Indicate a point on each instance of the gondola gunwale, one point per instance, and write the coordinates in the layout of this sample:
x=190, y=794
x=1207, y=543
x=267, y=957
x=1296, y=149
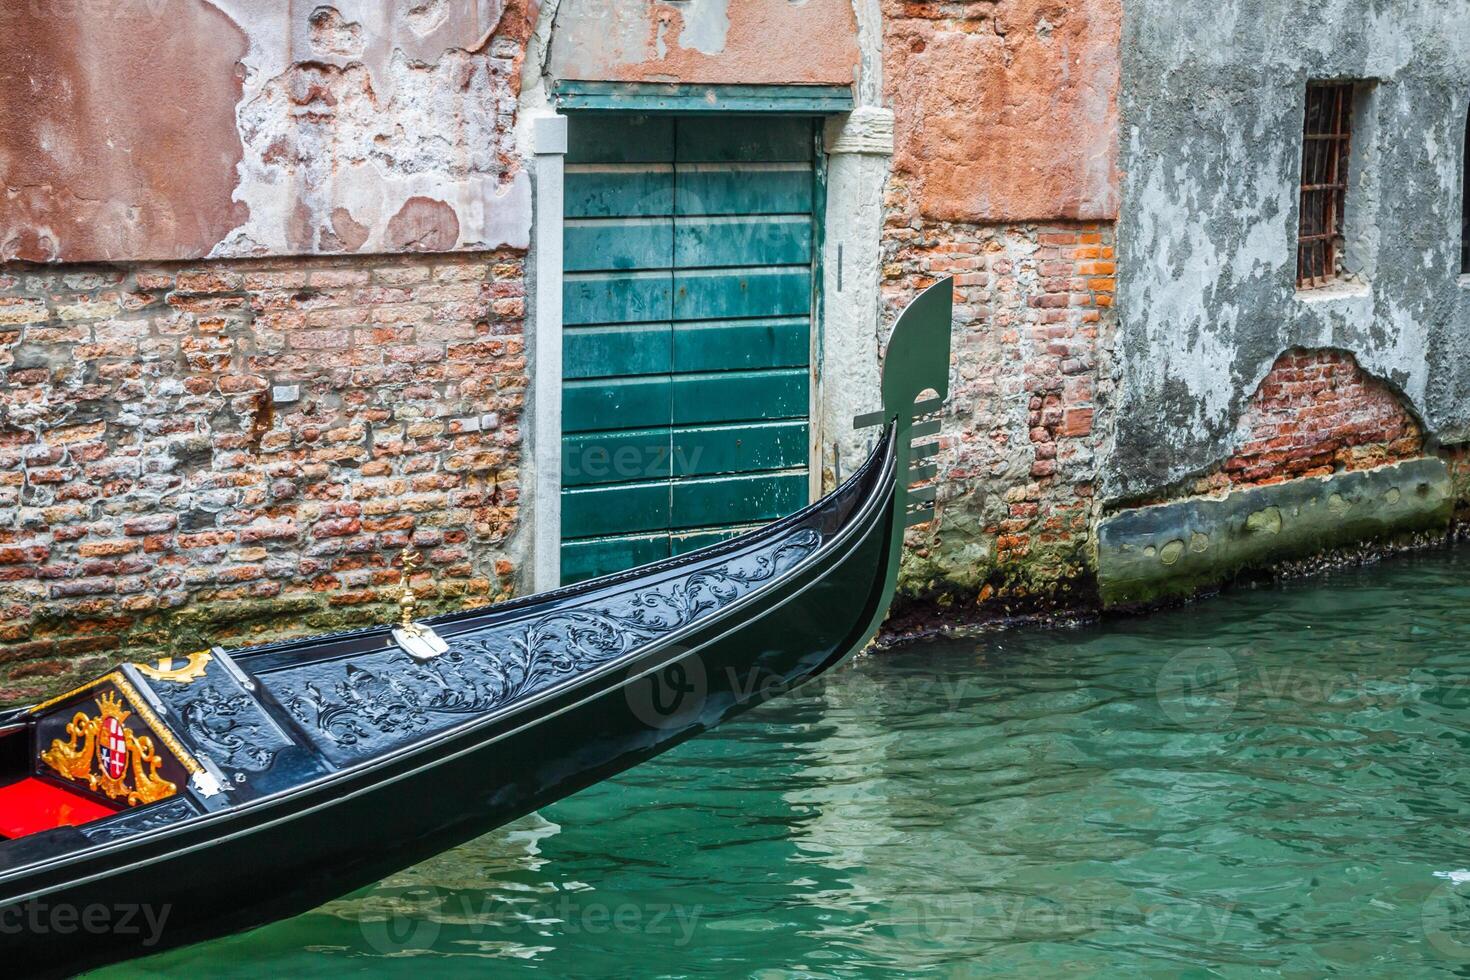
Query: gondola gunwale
x=485, y=617
x=828, y=554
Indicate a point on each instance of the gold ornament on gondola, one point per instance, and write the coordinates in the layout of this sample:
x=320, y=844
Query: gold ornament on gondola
x=416, y=639
x=193, y=668
x=406, y=599
x=103, y=752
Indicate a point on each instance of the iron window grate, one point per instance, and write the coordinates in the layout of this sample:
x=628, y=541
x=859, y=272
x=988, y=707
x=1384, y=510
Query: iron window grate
x=1326, y=147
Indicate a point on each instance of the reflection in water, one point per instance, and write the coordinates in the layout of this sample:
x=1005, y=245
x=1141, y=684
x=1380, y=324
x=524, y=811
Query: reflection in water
x=490, y=884
x=1270, y=781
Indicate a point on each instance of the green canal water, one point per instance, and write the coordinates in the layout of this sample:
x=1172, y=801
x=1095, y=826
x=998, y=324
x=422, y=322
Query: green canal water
x=1271, y=781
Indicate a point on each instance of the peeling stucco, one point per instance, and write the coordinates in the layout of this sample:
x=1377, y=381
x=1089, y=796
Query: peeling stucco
x=352, y=110
x=179, y=129
x=747, y=42
x=118, y=131
x=423, y=225
x=1212, y=107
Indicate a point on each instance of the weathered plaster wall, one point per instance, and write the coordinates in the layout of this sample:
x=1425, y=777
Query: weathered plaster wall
x=1212, y=105
x=118, y=131
x=178, y=129
x=1006, y=110
x=746, y=42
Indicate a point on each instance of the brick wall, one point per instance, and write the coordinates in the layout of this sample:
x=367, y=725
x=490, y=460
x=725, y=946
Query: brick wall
x=1033, y=320
x=1316, y=412
x=235, y=452
x=1457, y=458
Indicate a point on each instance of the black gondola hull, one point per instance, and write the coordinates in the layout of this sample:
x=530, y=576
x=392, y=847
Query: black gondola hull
x=240, y=868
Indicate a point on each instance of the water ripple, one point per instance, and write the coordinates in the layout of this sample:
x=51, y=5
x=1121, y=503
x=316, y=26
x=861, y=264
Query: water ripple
x=1269, y=781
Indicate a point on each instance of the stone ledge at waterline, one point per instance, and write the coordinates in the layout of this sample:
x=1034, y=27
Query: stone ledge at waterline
x=1176, y=549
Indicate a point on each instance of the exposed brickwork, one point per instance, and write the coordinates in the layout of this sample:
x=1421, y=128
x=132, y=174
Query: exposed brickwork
x=1316, y=412
x=153, y=491
x=1032, y=321
x=1457, y=458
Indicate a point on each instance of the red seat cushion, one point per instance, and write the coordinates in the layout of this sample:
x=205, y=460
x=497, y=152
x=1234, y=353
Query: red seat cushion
x=33, y=805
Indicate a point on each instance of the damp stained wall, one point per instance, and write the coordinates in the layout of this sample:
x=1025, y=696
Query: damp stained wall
x=1212, y=107
x=1007, y=110
x=745, y=42
x=118, y=132
x=183, y=129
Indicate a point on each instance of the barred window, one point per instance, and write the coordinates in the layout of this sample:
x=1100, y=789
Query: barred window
x=1326, y=148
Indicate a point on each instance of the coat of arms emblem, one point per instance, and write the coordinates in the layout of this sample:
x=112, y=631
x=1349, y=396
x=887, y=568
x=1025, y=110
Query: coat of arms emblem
x=112, y=749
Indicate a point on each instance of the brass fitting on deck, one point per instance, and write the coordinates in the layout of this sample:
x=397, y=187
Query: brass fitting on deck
x=417, y=640
x=412, y=561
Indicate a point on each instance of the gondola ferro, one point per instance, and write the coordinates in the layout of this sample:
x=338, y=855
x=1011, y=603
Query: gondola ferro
x=226, y=790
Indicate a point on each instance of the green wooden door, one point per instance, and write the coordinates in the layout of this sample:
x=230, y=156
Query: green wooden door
x=687, y=311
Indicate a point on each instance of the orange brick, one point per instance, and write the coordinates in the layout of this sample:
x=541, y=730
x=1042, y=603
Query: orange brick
x=368, y=423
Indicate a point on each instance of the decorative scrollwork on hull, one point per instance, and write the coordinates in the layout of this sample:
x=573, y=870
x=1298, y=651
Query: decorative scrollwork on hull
x=223, y=720
x=385, y=697
x=222, y=728
x=128, y=823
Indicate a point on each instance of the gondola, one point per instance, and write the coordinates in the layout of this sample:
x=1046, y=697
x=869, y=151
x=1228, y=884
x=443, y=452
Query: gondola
x=163, y=804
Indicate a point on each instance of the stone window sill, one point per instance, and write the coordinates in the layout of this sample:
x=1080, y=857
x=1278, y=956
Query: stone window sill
x=1334, y=291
